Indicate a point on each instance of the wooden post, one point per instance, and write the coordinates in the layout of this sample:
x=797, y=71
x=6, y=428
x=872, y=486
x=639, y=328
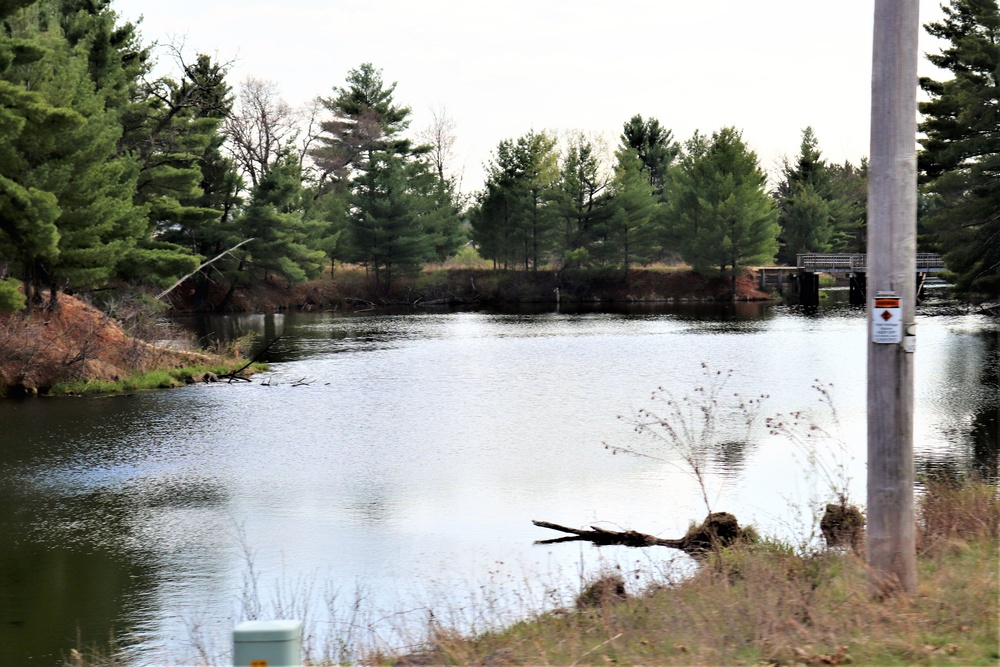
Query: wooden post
x=892, y=214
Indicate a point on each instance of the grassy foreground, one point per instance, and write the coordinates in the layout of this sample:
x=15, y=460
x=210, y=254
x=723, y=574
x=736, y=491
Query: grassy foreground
x=766, y=603
x=772, y=604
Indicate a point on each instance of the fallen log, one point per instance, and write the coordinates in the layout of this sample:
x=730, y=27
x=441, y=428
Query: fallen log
x=719, y=529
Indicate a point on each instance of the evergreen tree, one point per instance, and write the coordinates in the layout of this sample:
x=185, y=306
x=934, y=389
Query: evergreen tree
x=171, y=129
x=386, y=230
x=492, y=219
x=29, y=237
x=362, y=156
x=365, y=120
x=515, y=221
x=721, y=218
x=97, y=223
x=655, y=146
x=805, y=213
x=806, y=223
x=849, y=206
x=580, y=197
x=960, y=160
x=437, y=208
x=285, y=240
x=632, y=231
x=821, y=206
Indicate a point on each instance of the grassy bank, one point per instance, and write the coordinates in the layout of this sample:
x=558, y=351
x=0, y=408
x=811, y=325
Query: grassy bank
x=774, y=604
x=157, y=379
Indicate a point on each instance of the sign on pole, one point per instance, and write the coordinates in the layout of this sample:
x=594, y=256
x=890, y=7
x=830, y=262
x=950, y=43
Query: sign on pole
x=887, y=319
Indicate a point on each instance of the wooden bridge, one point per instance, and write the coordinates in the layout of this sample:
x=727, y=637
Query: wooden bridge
x=803, y=278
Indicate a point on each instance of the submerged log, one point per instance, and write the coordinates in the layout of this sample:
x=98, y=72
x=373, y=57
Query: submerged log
x=719, y=529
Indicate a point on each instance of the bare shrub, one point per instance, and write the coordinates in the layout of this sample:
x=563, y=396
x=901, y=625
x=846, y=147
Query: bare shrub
x=951, y=510
x=608, y=588
x=694, y=427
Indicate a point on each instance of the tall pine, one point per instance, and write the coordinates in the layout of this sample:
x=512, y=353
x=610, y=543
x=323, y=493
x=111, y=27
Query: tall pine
x=720, y=216
x=960, y=158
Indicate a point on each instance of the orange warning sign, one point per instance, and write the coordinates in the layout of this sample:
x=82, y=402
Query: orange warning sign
x=887, y=302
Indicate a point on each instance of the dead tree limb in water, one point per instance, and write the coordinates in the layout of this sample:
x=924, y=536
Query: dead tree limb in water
x=235, y=375
x=719, y=529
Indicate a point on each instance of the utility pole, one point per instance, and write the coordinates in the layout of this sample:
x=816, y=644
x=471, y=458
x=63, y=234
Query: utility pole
x=892, y=222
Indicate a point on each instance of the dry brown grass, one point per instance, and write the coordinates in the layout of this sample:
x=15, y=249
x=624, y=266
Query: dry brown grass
x=952, y=512
x=75, y=341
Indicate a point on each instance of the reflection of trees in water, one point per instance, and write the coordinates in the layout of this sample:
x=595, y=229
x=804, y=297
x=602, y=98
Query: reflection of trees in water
x=986, y=443
x=977, y=449
x=731, y=456
x=79, y=535
x=986, y=423
x=65, y=574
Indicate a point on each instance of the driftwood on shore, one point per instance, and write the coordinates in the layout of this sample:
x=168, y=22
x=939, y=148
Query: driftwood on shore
x=719, y=529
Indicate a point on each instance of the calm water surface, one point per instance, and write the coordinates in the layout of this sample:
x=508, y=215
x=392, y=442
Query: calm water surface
x=400, y=459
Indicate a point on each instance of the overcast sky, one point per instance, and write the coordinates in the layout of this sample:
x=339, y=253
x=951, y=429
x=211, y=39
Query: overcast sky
x=769, y=67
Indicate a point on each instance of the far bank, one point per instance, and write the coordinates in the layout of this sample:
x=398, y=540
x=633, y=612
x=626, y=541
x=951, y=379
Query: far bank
x=351, y=287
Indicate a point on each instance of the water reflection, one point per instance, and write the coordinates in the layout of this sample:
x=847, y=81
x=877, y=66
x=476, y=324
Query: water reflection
x=973, y=411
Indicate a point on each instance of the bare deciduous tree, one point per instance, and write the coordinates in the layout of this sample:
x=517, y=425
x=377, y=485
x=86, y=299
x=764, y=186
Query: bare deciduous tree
x=261, y=126
x=440, y=136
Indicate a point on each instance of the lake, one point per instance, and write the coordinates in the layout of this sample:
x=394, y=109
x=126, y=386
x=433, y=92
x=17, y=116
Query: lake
x=387, y=467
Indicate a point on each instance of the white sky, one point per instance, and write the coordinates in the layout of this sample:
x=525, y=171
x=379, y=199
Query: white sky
x=769, y=67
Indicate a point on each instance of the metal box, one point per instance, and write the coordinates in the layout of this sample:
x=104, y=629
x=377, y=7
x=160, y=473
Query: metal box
x=267, y=644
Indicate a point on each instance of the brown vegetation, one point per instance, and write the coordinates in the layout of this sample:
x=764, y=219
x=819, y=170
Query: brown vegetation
x=74, y=341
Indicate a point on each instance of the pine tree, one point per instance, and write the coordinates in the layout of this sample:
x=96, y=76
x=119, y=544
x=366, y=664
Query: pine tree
x=805, y=211
x=387, y=234
x=655, y=147
x=960, y=158
x=821, y=206
x=437, y=208
x=632, y=230
x=171, y=130
x=285, y=240
x=516, y=221
x=720, y=216
x=580, y=197
x=29, y=237
x=97, y=223
x=365, y=120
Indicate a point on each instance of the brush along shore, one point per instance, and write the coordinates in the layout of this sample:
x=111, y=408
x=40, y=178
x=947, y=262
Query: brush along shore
x=75, y=349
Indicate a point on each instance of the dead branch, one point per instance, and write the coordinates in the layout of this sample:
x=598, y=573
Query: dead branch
x=235, y=374
x=719, y=529
x=217, y=257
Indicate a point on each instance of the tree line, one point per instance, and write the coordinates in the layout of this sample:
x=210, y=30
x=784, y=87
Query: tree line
x=110, y=174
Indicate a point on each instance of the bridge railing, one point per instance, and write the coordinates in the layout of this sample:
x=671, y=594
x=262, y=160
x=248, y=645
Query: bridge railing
x=929, y=261
x=926, y=262
x=830, y=261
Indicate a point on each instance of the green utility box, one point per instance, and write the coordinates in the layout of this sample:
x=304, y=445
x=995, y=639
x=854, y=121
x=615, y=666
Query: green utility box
x=267, y=644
